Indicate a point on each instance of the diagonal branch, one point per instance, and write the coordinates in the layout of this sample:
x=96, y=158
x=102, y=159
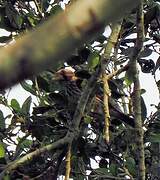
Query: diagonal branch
x=57, y=38
x=13, y=165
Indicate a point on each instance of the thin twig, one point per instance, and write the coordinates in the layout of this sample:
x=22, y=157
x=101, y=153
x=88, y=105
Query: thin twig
x=108, y=50
x=38, y=8
x=128, y=173
x=68, y=163
x=107, y=94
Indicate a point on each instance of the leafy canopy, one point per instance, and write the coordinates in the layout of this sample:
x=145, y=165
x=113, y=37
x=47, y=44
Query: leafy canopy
x=51, y=118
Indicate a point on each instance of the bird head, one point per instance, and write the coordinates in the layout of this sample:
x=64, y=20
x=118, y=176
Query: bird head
x=65, y=75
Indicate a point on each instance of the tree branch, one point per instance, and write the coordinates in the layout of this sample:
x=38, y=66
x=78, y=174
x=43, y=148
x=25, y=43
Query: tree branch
x=108, y=50
x=89, y=88
x=13, y=165
x=68, y=163
x=137, y=93
x=57, y=38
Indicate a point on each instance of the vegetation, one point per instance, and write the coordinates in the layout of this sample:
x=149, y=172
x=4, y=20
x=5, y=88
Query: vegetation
x=91, y=120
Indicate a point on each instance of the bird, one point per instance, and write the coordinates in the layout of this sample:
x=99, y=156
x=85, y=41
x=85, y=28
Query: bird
x=72, y=91
x=66, y=99
x=69, y=89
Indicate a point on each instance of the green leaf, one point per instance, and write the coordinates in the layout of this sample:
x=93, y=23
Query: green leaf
x=43, y=83
x=26, y=105
x=25, y=144
x=5, y=24
x=143, y=91
x=102, y=171
x=101, y=38
x=15, y=105
x=4, y=39
x=31, y=21
x=93, y=60
x=6, y=177
x=19, y=21
x=74, y=60
x=131, y=165
x=2, y=151
x=143, y=109
x=28, y=87
x=146, y=52
x=78, y=164
x=45, y=4
x=88, y=119
x=153, y=138
x=2, y=120
x=13, y=16
x=55, y=9
x=158, y=84
x=128, y=51
x=113, y=169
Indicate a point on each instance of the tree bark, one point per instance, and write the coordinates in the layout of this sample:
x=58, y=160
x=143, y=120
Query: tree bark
x=48, y=45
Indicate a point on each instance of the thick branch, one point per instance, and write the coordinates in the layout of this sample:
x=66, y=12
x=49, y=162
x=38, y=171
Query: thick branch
x=137, y=94
x=57, y=38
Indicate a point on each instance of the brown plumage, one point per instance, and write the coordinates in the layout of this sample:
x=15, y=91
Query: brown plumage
x=72, y=92
x=69, y=88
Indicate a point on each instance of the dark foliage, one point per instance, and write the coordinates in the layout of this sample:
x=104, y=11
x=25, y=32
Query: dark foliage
x=58, y=94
